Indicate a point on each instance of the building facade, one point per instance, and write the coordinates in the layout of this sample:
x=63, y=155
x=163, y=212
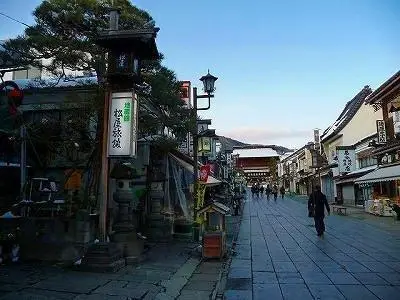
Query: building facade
x=259, y=165
x=345, y=146
x=382, y=186
x=295, y=171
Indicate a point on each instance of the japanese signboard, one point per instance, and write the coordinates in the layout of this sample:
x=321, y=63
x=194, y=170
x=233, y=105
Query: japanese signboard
x=184, y=146
x=317, y=145
x=346, y=159
x=122, y=126
x=381, y=131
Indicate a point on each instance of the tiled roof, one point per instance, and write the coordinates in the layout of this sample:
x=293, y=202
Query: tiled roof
x=390, y=83
x=347, y=114
x=253, y=153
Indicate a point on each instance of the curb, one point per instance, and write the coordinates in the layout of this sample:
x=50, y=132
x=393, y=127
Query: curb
x=218, y=292
x=171, y=288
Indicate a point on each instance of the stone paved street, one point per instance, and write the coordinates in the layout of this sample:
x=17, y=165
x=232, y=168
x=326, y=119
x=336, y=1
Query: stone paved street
x=161, y=276
x=279, y=256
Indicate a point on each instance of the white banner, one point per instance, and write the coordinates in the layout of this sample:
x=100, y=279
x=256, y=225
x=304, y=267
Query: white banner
x=122, y=125
x=184, y=146
x=346, y=160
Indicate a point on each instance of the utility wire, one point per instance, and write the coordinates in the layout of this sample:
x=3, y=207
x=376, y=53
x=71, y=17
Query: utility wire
x=11, y=18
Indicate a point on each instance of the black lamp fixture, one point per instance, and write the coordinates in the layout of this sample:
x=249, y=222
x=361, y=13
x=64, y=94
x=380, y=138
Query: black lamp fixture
x=208, y=83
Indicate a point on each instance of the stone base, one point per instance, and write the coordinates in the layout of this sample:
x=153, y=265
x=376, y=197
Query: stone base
x=128, y=242
x=103, y=258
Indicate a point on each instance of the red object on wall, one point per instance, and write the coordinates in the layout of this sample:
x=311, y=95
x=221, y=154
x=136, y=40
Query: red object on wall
x=15, y=95
x=204, y=172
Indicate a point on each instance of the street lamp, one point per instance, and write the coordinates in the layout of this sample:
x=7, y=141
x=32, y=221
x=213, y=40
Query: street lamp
x=208, y=87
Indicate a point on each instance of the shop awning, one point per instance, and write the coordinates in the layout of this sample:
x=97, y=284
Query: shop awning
x=381, y=174
x=353, y=176
x=210, y=181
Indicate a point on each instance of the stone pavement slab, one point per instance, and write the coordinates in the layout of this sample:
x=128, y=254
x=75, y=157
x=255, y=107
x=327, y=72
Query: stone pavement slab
x=39, y=294
x=278, y=254
x=33, y=281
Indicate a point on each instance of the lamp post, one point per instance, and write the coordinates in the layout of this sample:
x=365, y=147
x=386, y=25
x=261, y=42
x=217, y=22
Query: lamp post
x=209, y=88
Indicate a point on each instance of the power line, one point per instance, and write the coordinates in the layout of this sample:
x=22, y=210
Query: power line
x=11, y=18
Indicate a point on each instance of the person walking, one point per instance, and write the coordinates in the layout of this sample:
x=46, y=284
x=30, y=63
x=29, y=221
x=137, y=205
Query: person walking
x=268, y=191
x=317, y=203
x=282, y=192
x=261, y=191
x=275, y=192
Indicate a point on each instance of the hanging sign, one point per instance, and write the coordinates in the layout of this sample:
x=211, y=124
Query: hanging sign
x=204, y=172
x=346, y=159
x=381, y=131
x=396, y=122
x=184, y=146
x=122, y=125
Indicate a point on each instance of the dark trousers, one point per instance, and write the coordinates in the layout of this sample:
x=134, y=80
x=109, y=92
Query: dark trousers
x=319, y=224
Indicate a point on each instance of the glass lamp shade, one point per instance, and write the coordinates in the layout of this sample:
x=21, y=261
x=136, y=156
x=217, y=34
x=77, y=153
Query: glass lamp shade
x=204, y=144
x=208, y=83
x=122, y=62
x=136, y=66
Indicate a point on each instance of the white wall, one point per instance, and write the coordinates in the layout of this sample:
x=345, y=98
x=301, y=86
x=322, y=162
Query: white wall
x=362, y=124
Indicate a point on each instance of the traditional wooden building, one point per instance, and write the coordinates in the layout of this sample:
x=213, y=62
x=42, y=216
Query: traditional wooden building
x=344, y=148
x=258, y=164
x=384, y=183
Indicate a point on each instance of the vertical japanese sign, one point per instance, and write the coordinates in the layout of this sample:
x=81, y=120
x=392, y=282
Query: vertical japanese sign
x=346, y=159
x=122, y=126
x=184, y=146
x=317, y=145
x=381, y=131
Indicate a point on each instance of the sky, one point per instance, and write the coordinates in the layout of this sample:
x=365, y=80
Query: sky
x=283, y=67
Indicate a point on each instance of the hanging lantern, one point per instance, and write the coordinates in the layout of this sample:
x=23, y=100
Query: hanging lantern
x=204, y=144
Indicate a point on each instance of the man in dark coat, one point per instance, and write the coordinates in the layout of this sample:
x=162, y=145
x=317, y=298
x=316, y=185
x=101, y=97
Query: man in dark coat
x=316, y=204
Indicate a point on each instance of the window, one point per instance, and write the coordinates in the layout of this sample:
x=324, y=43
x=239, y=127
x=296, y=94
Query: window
x=367, y=162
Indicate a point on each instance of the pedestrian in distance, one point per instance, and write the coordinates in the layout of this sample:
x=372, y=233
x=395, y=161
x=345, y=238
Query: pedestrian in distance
x=261, y=191
x=275, y=192
x=268, y=191
x=258, y=191
x=282, y=191
x=317, y=203
x=253, y=190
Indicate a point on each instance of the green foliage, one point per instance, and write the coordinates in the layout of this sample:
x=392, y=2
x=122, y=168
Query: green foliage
x=63, y=39
x=65, y=32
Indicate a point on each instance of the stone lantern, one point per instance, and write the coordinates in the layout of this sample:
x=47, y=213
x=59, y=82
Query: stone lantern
x=124, y=230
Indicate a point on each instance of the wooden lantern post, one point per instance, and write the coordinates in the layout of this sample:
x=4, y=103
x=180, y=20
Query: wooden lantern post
x=126, y=49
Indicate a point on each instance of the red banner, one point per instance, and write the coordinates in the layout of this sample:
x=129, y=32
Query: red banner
x=204, y=172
